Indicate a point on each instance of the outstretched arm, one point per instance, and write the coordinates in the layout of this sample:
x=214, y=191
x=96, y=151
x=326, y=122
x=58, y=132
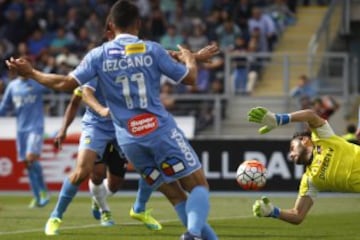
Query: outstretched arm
x=69, y=117
x=89, y=98
x=271, y=120
x=264, y=208
x=54, y=81
x=297, y=214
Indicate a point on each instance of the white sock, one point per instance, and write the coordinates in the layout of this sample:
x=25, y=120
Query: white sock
x=108, y=191
x=99, y=194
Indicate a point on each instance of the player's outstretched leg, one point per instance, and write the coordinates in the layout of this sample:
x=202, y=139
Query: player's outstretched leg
x=34, y=186
x=207, y=232
x=138, y=211
x=100, y=207
x=44, y=196
x=67, y=193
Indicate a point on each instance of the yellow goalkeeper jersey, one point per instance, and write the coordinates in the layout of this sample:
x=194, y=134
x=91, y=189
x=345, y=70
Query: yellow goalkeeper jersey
x=335, y=165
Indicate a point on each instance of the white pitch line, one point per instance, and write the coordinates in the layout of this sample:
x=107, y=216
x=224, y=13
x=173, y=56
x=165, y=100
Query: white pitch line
x=98, y=225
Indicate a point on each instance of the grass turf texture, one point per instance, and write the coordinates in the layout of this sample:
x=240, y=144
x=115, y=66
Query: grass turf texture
x=332, y=217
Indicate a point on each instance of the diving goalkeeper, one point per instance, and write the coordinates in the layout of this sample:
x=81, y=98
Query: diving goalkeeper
x=332, y=163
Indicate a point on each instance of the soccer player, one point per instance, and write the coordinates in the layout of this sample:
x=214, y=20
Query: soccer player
x=25, y=97
x=129, y=72
x=332, y=163
x=98, y=136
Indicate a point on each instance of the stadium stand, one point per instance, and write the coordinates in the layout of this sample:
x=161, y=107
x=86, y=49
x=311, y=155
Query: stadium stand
x=56, y=34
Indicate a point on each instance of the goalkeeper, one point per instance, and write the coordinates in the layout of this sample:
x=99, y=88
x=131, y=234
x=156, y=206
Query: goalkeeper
x=332, y=163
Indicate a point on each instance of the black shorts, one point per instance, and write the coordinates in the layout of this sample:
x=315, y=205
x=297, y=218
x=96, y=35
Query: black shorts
x=116, y=163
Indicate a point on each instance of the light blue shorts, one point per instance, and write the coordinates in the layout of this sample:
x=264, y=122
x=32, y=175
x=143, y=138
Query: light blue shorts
x=29, y=142
x=164, y=158
x=95, y=139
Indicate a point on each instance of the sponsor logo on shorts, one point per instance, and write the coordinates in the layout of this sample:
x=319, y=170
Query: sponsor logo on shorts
x=184, y=147
x=142, y=124
x=87, y=140
x=172, y=167
x=150, y=175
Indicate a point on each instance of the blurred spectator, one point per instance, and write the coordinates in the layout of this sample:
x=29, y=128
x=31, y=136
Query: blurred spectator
x=325, y=106
x=94, y=27
x=60, y=42
x=10, y=30
x=227, y=33
x=266, y=27
x=197, y=39
x=171, y=39
x=37, y=42
x=281, y=15
x=240, y=72
x=182, y=22
x=157, y=24
x=144, y=8
x=304, y=92
x=212, y=22
x=242, y=12
x=51, y=23
x=254, y=65
x=30, y=22
x=168, y=8
x=350, y=134
x=82, y=42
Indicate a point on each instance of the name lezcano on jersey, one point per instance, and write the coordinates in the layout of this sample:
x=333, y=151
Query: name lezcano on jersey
x=110, y=65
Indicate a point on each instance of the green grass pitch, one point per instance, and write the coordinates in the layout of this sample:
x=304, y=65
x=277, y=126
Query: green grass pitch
x=332, y=217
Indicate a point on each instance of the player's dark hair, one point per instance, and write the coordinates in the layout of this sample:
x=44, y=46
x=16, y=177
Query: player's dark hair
x=300, y=135
x=124, y=14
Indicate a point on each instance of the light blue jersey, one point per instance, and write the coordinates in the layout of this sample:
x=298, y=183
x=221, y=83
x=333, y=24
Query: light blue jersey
x=97, y=131
x=129, y=71
x=92, y=117
x=25, y=97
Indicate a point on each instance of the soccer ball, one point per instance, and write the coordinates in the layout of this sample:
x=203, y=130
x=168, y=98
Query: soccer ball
x=251, y=175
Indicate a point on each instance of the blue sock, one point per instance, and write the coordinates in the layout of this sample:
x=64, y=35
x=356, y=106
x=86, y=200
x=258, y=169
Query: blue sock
x=67, y=193
x=180, y=210
x=142, y=197
x=39, y=176
x=33, y=182
x=197, y=210
x=206, y=233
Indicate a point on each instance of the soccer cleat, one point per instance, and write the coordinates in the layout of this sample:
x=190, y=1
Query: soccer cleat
x=95, y=209
x=106, y=219
x=189, y=236
x=145, y=217
x=33, y=203
x=52, y=226
x=44, y=199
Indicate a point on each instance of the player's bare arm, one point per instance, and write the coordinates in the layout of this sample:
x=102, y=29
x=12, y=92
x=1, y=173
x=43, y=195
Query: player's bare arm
x=297, y=214
x=54, y=81
x=203, y=55
x=90, y=100
x=308, y=116
x=70, y=114
x=271, y=120
x=188, y=58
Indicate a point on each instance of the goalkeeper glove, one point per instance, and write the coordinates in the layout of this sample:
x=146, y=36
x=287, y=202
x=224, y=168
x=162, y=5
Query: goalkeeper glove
x=269, y=119
x=264, y=208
